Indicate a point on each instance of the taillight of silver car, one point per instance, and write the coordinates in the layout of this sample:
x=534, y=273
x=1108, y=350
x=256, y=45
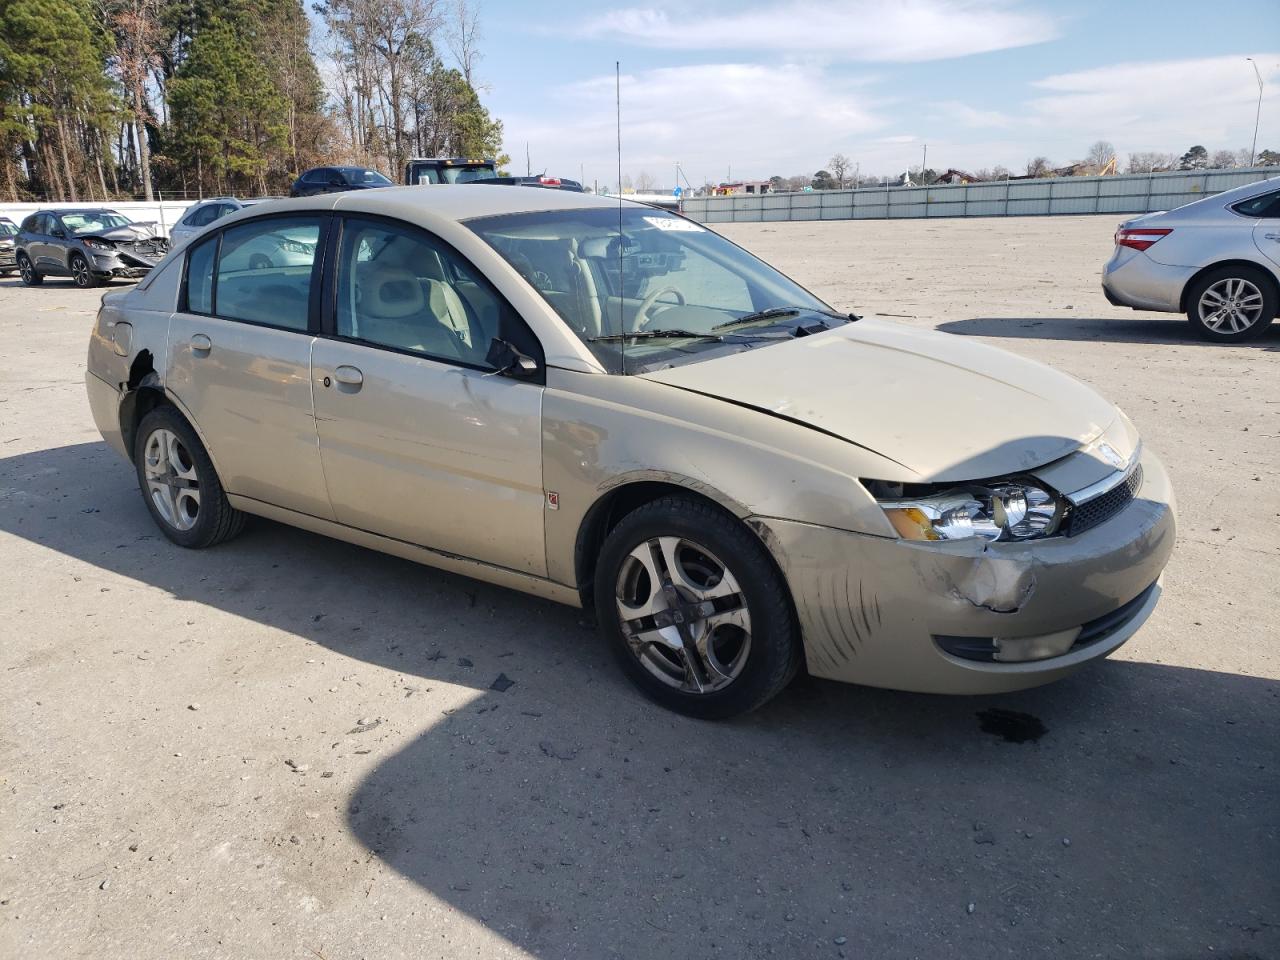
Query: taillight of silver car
x=1139, y=237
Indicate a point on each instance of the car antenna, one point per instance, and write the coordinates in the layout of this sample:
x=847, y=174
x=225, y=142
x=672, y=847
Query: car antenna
x=622, y=287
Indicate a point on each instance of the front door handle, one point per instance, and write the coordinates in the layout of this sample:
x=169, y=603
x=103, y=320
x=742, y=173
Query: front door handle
x=348, y=376
x=1272, y=236
x=201, y=344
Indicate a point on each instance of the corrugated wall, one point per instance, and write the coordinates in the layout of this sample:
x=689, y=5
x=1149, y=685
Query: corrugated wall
x=1131, y=193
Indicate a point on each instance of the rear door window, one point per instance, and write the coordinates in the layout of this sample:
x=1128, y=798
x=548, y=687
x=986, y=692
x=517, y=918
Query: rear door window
x=264, y=271
x=199, y=283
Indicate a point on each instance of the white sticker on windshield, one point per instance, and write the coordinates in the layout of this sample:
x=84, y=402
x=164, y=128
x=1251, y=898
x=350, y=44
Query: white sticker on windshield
x=674, y=224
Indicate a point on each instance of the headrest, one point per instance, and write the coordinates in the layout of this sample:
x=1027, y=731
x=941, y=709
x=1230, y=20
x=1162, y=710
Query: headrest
x=391, y=293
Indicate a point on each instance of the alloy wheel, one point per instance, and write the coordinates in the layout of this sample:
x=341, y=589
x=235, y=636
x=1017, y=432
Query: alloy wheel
x=26, y=270
x=80, y=269
x=683, y=614
x=172, y=481
x=1231, y=305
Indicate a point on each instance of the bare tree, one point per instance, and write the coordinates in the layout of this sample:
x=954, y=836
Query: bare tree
x=463, y=37
x=1100, y=155
x=139, y=35
x=645, y=183
x=1223, y=159
x=1150, y=161
x=1038, y=167
x=382, y=44
x=839, y=165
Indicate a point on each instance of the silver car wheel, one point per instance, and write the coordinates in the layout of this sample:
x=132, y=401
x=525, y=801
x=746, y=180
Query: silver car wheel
x=683, y=614
x=80, y=267
x=1232, y=305
x=172, y=481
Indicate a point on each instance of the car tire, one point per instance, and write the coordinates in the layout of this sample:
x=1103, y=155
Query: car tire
x=81, y=272
x=179, y=484
x=260, y=261
x=27, y=270
x=743, y=659
x=1248, y=299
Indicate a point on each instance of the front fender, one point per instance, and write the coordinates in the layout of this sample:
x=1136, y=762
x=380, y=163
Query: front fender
x=601, y=432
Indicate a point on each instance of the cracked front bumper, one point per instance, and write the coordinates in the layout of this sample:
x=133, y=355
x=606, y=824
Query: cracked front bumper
x=873, y=610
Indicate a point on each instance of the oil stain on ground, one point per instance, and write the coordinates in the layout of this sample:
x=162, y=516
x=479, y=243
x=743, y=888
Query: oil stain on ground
x=1011, y=726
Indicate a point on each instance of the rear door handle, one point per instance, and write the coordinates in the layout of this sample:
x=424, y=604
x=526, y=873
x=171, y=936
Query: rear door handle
x=348, y=376
x=200, y=343
x=1272, y=236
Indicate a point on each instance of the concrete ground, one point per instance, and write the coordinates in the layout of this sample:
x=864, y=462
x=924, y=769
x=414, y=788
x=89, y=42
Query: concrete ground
x=289, y=747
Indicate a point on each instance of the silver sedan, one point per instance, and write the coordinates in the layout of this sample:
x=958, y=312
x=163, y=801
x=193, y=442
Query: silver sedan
x=1216, y=260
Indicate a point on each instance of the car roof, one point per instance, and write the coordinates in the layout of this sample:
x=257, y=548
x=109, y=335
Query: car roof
x=467, y=201
x=63, y=211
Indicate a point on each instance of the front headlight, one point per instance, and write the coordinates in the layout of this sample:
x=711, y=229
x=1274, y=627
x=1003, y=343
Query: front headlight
x=93, y=243
x=1008, y=510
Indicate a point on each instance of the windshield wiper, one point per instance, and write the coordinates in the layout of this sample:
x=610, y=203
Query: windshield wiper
x=655, y=335
x=777, y=313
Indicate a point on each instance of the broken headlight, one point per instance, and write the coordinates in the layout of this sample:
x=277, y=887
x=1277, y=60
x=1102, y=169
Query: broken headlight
x=1006, y=510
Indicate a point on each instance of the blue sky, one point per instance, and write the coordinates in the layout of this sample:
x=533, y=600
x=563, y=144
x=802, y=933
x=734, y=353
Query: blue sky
x=778, y=87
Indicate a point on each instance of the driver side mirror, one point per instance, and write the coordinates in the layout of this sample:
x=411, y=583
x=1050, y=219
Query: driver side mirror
x=507, y=360
x=59, y=233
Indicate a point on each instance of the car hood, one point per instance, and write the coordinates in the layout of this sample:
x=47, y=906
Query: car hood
x=128, y=233
x=945, y=407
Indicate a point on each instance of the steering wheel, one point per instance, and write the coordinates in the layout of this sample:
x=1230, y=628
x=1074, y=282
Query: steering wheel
x=642, y=313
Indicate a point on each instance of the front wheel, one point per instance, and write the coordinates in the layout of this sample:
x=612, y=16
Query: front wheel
x=1231, y=304
x=81, y=272
x=179, y=484
x=695, y=610
x=27, y=270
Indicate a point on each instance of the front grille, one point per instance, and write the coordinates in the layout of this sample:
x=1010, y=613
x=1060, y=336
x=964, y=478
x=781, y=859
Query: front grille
x=153, y=249
x=1100, y=509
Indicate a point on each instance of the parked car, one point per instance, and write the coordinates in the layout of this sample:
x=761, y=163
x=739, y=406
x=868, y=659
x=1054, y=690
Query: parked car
x=642, y=418
x=336, y=180
x=8, y=250
x=425, y=171
x=91, y=245
x=1217, y=260
x=200, y=215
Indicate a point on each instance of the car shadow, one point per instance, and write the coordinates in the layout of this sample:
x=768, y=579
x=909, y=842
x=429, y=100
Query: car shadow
x=1127, y=810
x=1152, y=329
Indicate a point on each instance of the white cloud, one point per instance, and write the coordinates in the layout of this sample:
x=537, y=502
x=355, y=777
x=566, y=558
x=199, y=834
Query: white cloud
x=761, y=119
x=866, y=30
x=1159, y=105
x=966, y=115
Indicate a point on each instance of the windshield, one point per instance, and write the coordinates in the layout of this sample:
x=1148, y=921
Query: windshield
x=80, y=224
x=8, y=229
x=436, y=172
x=667, y=274
x=371, y=177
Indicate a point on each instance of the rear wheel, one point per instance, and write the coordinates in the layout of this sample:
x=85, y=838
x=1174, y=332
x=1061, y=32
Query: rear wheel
x=1231, y=304
x=179, y=484
x=695, y=610
x=260, y=261
x=27, y=270
x=81, y=272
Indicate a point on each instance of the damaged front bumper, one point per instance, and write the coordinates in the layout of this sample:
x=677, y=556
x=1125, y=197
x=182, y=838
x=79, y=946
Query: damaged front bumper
x=124, y=263
x=974, y=617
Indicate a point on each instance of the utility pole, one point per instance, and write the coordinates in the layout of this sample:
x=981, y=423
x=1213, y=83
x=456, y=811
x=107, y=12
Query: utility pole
x=528, y=167
x=1253, y=151
x=924, y=163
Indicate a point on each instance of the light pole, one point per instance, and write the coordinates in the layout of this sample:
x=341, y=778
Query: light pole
x=924, y=162
x=1253, y=151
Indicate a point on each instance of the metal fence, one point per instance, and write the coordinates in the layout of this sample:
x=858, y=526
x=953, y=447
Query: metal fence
x=1131, y=193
